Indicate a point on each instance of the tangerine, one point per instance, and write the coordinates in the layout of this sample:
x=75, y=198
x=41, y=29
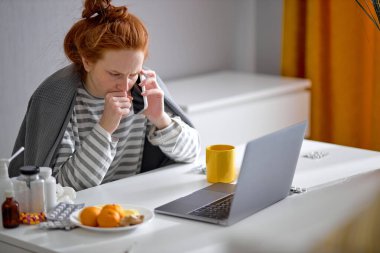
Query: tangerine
x=108, y=218
x=116, y=208
x=88, y=216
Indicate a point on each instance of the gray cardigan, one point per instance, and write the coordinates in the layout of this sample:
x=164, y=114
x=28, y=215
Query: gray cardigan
x=48, y=113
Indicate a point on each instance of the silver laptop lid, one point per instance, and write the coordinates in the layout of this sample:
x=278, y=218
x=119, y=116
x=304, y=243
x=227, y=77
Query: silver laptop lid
x=269, y=166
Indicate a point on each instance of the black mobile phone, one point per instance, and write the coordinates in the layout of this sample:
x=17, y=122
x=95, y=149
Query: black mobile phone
x=139, y=103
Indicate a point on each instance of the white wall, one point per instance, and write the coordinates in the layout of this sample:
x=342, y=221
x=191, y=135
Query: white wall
x=188, y=37
x=191, y=37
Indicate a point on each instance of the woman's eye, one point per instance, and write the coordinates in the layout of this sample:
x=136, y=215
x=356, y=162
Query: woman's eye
x=114, y=74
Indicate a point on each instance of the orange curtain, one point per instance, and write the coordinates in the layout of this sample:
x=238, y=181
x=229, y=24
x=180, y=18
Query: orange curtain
x=335, y=45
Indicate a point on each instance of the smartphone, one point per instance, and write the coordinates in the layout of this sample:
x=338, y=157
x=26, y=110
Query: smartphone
x=139, y=102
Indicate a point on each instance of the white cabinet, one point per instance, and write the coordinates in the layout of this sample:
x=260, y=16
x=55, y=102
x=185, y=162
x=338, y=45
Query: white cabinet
x=231, y=107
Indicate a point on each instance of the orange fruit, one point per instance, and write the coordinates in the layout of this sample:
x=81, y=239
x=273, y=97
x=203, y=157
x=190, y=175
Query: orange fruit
x=116, y=208
x=108, y=218
x=88, y=216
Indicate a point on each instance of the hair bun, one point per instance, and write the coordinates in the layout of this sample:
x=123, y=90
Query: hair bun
x=103, y=10
x=92, y=7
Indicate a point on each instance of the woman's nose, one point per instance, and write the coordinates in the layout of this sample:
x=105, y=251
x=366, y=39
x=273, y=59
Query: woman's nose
x=124, y=85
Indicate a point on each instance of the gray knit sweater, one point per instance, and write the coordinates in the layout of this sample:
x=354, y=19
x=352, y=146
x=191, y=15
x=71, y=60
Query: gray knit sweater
x=49, y=111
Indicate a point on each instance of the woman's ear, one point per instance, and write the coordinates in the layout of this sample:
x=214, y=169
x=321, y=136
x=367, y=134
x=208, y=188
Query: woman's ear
x=87, y=64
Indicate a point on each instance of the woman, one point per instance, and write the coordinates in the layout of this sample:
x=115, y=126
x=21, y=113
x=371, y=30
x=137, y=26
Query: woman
x=81, y=122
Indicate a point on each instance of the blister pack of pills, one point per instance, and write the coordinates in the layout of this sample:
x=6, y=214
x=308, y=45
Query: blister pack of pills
x=62, y=224
x=59, y=217
x=63, y=211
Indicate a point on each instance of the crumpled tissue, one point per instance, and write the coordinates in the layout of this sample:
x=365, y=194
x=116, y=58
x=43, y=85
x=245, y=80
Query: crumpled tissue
x=65, y=194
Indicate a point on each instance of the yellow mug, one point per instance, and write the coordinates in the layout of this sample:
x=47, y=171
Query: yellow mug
x=220, y=163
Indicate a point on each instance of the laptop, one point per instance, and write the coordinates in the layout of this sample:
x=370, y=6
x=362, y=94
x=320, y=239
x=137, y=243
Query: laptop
x=265, y=177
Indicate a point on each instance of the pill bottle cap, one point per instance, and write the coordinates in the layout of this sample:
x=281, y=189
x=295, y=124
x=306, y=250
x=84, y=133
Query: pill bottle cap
x=45, y=172
x=9, y=194
x=29, y=170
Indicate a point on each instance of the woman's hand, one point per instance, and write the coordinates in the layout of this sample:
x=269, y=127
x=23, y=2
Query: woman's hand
x=116, y=105
x=155, y=111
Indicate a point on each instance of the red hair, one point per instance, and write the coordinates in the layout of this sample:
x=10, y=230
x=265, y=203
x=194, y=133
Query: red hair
x=103, y=27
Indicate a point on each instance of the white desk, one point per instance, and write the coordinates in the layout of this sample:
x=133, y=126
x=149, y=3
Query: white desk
x=292, y=225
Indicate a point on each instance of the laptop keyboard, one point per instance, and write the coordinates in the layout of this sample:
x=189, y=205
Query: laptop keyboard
x=216, y=210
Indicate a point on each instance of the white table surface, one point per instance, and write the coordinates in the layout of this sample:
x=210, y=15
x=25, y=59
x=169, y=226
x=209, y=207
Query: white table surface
x=294, y=224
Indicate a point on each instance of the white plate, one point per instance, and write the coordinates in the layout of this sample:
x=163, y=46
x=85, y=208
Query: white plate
x=148, y=216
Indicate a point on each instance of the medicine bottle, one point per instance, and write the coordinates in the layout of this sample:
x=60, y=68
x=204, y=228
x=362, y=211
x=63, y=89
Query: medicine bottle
x=5, y=182
x=10, y=211
x=29, y=190
x=50, y=188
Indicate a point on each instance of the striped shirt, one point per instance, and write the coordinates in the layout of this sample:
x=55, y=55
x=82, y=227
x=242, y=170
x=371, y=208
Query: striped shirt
x=88, y=155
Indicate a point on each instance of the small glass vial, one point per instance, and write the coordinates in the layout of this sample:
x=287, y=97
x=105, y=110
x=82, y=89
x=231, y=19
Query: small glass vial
x=10, y=211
